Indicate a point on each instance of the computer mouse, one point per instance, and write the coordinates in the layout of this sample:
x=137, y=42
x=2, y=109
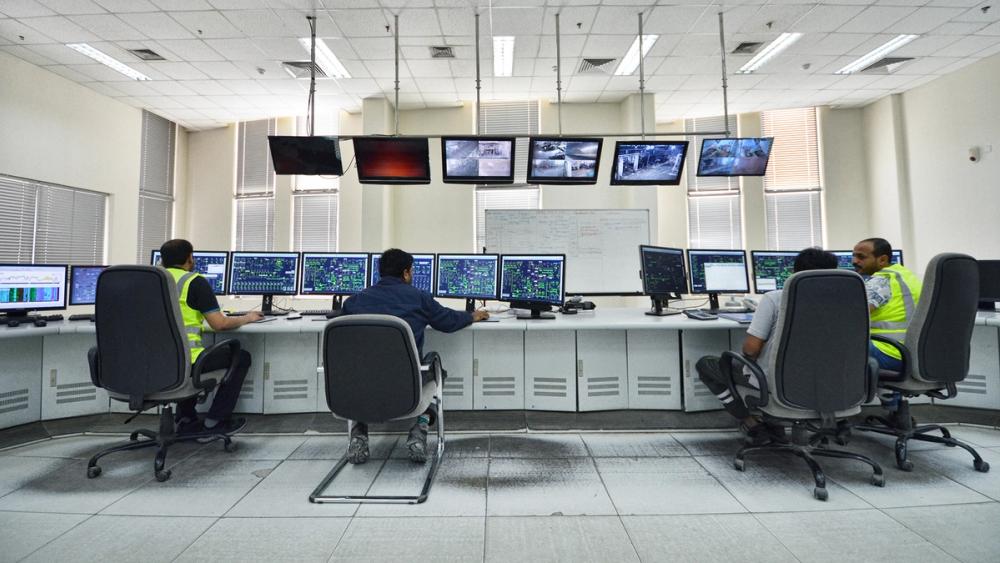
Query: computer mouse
x=41, y=322
x=13, y=324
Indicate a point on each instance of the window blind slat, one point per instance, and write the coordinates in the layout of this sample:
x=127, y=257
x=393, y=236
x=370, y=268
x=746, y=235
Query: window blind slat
x=17, y=220
x=255, y=224
x=155, y=225
x=315, y=222
x=157, y=166
x=254, y=170
x=792, y=187
x=527, y=197
x=794, y=220
x=714, y=213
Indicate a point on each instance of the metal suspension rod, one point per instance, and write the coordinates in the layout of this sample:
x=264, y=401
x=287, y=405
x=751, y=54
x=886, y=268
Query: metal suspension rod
x=479, y=125
x=558, y=76
x=395, y=105
x=725, y=84
x=312, y=75
x=642, y=84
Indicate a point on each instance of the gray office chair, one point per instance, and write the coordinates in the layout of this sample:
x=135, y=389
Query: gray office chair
x=818, y=371
x=373, y=374
x=142, y=357
x=935, y=353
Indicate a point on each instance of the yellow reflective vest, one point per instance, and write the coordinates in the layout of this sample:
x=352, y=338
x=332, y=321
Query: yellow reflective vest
x=892, y=319
x=193, y=318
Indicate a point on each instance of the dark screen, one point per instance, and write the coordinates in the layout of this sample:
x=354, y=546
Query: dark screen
x=989, y=280
x=662, y=270
x=391, y=160
x=306, y=155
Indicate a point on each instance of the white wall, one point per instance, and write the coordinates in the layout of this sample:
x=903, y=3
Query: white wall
x=883, y=155
x=843, y=176
x=211, y=176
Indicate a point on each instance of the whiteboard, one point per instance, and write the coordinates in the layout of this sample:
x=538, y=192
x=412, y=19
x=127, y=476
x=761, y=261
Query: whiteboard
x=601, y=245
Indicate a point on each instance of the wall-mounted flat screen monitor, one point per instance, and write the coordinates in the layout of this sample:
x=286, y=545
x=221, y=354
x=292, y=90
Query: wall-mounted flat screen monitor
x=306, y=155
x=643, y=163
x=735, y=157
x=561, y=160
x=423, y=271
x=83, y=284
x=478, y=160
x=718, y=271
x=771, y=268
x=263, y=273
x=340, y=273
x=32, y=287
x=467, y=276
x=212, y=265
x=392, y=160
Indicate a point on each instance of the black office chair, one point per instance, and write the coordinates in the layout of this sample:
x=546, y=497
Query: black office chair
x=373, y=374
x=142, y=357
x=818, y=372
x=935, y=353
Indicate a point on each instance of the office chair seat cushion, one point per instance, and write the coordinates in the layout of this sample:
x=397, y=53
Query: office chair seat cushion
x=426, y=397
x=890, y=375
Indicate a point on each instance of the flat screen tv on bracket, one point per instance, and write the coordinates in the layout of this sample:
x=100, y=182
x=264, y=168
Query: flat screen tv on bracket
x=392, y=160
x=648, y=163
x=563, y=160
x=735, y=156
x=477, y=160
x=308, y=156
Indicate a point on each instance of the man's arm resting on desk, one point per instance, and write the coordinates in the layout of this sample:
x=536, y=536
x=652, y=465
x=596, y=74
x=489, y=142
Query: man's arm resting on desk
x=222, y=323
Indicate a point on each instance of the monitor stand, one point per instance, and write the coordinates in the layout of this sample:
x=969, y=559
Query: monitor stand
x=470, y=305
x=267, y=305
x=338, y=301
x=714, y=308
x=536, y=311
x=660, y=307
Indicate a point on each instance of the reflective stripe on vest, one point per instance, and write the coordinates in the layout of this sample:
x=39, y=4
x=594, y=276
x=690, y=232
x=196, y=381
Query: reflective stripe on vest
x=892, y=319
x=193, y=318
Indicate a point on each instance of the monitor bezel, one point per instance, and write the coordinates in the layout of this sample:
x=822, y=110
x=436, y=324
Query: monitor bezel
x=500, y=296
x=232, y=264
x=753, y=266
x=371, y=267
x=492, y=180
x=437, y=276
x=302, y=268
x=391, y=180
x=65, y=300
x=614, y=164
x=228, y=253
x=851, y=254
x=70, y=286
x=701, y=152
x=746, y=271
x=549, y=180
x=337, y=153
x=642, y=269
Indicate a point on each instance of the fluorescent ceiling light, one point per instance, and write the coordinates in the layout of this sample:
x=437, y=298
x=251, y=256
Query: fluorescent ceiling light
x=325, y=58
x=503, y=55
x=630, y=61
x=866, y=60
x=100, y=57
x=783, y=42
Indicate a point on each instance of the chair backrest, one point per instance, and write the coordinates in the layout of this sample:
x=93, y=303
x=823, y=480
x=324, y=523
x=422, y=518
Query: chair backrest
x=940, y=332
x=371, y=367
x=821, y=360
x=141, y=343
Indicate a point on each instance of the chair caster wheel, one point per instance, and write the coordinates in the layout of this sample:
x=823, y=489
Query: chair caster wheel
x=905, y=465
x=878, y=480
x=820, y=493
x=94, y=471
x=229, y=446
x=162, y=476
x=739, y=464
x=981, y=466
x=133, y=436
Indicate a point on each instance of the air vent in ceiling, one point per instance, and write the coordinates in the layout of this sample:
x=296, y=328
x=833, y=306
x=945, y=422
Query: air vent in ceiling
x=301, y=69
x=147, y=54
x=887, y=65
x=747, y=48
x=442, y=52
x=596, y=66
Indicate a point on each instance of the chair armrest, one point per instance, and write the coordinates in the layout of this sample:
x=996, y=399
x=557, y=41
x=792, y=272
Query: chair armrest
x=903, y=351
x=726, y=364
x=199, y=364
x=432, y=361
x=92, y=360
x=872, y=379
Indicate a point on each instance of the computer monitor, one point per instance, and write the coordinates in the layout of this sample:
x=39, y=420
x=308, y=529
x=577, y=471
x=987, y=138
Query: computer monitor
x=734, y=157
x=477, y=160
x=467, y=276
x=83, y=284
x=718, y=271
x=32, y=287
x=561, y=160
x=533, y=282
x=312, y=156
x=392, y=160
x=771, y=268
x=211, y=264
x=989, y=284
x=845, y=258
x=423, y=271
x=264, y=273
x=337, y=274
x=644, y=163
x=662, y=276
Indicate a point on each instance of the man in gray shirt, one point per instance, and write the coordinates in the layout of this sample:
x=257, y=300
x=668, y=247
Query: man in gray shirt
x=756, y=346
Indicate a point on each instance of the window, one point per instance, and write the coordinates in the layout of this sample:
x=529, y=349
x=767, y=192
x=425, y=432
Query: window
x=714, y=212
x=315, y=201
x=254, y=215
x=50, y=224
x=792, y=190
x=507, y=118
x=156, y=184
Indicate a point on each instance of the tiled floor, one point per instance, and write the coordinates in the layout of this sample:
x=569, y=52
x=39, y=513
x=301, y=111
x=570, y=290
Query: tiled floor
x=522, y=496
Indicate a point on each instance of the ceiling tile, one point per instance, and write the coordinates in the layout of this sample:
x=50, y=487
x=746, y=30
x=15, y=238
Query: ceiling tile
x=135, y=87
x=179, y=70
x=74, y=7
x=60, y=28
x=924, y=20
x=221, y=70
x=239, y=4
x=105, y=88
x=826, y=18
x=924, y=46
x=875, y=19
x=191, y=50
x=697, y=45
x=418, y=22
x=362, y=23
x=691, y=65
x=573, y=20
x=374, y=48
x=264, y=23
x=435, y=85
x=206, y=25
x=100, y=72
x=611, y=46
x=967, y=46
x=24, y=9
x=108, y=27
x=236, y=49
x=181, y=5
x=569, y=46
x=773, y=19
x=927, y=65
x=515, y=21
x=734, y=17
x=68, y=73
x=429, y=68
x=170, y=88
x=62, y=54
x=206, y=87
x=992, y=29
x=16, y=32
x=839, y=43
x=156, y=25
x=672, y=19
x=28, y=54
x=977, y=15
x=281, y=48
x=122, y=6
x=386, y=69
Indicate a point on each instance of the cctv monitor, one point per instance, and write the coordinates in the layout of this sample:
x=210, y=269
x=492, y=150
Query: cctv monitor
x=264, y=273
x=478, y=160
x=989, y=284
x=392, y=160
x=771, y=268
x=718, y=271
x=336, y=274
x=561, y=160
x=32, y=287
x=423, y=271
x=211, y=264
x=533, y=282
x=663, y=276
x=734, y=157
x=644, y=163
x=467, y=276
x=83, y=284
x=312, y=156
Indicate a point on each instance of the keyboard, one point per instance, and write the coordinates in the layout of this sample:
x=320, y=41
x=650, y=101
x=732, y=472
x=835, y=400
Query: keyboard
x=699, y=315
x=56, y=317
x=236, y=313
x=89, y=317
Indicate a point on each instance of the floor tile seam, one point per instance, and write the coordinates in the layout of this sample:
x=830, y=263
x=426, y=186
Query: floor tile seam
x=920, y=535
x=486, y=500
x=340, y=538
x=775, y=535
x=215, y=520
x=721, y=484
x=988, y=500
x=71, y=528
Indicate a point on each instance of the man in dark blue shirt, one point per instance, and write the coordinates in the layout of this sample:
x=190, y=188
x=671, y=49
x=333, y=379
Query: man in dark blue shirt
x=395, y=295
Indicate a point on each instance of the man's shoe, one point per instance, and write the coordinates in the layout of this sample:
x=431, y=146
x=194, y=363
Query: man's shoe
x=416, y=443
x=226, y=427
x=756, y=435
x=357, y=448
x=187, y=427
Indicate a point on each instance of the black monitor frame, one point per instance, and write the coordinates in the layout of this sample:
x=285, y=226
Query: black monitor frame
x=660, y=301
x=337, y=295
x=470, y=301
x=532, y=179
x=315, y=143
x=267, y=302
x=71, y=292
x=620, y=182
x=991, y=273
x=753, y=266
x=23, y=313
x=492, y=180
x=229, y=261
x=393, y=180
x=701, y=152
x=713, y=296
x=537, y=307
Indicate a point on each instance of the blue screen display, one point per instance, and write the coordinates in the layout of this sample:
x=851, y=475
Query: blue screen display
x=211, y=265
x=334, y=274
x=83, y=284
x=423, y=271
x=532, y=278
x=263, y=273
x=467, y=276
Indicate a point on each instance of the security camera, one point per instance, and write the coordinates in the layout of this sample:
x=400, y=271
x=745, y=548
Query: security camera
x=974, y=154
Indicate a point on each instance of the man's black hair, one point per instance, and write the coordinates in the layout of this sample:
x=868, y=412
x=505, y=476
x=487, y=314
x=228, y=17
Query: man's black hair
x=880, y=246
x=394, y=262
x=174, y=253
x=814, y=258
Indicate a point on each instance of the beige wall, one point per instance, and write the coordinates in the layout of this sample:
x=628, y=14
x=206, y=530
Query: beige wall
x=211, y=175
x=843, y=176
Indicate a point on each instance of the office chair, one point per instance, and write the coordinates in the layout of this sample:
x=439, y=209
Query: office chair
x=373, y=374
x=935, y=354
x=143, y=357
x=818, y=370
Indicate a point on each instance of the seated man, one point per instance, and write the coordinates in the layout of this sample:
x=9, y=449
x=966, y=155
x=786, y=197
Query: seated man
x=395, y=295
x=755, y=346
x=198, y=304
